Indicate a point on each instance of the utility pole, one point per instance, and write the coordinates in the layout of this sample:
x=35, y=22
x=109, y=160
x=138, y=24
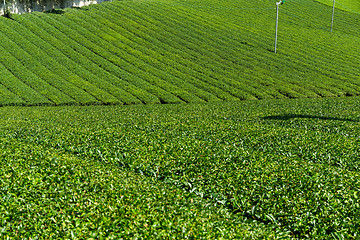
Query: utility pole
x=332, y=19
x=277, y=18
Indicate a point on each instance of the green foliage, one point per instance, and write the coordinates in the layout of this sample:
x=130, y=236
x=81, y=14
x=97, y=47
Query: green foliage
x=133, y=52
x=347, y=5
x=252, y=170
x=8, y=98
x=257, y=169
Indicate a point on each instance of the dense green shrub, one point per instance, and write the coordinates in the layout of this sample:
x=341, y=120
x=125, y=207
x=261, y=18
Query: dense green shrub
x=276, y=168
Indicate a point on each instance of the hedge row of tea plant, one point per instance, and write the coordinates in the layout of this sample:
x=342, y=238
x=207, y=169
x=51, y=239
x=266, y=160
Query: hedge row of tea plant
x=261, y=169
x=141, y=52
x=52, y=194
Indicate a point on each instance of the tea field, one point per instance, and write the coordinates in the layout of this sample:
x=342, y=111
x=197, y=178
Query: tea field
x=172, y=51
x=346, y=5
x=78, y=164
x=245, y=169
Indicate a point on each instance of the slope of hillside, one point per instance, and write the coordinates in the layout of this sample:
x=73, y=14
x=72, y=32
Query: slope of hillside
x=347, y=5
x=133, y=52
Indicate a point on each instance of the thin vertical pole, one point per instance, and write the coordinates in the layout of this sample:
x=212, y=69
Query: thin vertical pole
x=332, y=19
x=4, y=7
x=276, y=28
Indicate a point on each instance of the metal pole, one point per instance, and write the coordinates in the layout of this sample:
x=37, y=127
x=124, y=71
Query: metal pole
x=332, y=19
x=4, y=7
x=276, y=28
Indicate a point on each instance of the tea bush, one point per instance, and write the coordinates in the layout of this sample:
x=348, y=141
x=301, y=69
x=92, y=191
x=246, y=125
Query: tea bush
x=261, y=169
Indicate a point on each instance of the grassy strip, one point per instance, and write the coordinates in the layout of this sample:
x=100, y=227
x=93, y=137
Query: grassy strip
x=345, y=5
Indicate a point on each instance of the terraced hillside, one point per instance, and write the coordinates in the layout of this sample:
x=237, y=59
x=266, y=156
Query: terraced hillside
x=163, y=51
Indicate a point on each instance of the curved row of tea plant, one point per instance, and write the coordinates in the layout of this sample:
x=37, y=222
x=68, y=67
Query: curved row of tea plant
x=289, y=165
x=131, y=52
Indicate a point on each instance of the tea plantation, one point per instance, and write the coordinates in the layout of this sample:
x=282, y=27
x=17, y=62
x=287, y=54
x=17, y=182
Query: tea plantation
x=77, y=164
x=146, y=52
x=247, y=169
x=347, y=5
